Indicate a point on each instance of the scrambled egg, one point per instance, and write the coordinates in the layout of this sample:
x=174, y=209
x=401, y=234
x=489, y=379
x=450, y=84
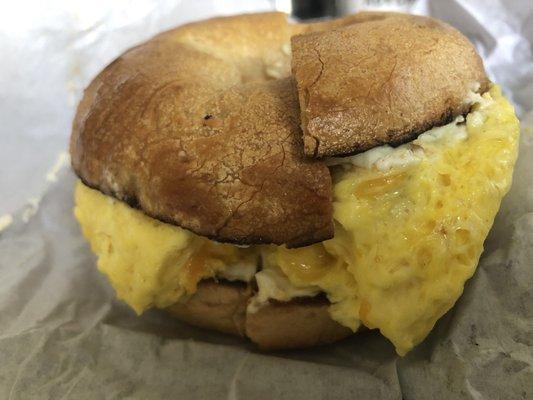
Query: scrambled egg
x=150, y=263
x=407, y=238
x=410, y=224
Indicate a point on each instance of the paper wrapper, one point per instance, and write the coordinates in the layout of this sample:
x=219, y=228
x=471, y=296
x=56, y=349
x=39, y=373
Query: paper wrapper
x=64, y=336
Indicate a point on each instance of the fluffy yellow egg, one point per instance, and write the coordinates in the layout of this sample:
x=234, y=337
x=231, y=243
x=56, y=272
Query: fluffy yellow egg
x=409, y=236
x=409, y=230
x=149, y=263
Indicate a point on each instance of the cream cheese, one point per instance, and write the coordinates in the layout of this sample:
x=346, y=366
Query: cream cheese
x=243, y=271
x=384, y=158
x=273, y=284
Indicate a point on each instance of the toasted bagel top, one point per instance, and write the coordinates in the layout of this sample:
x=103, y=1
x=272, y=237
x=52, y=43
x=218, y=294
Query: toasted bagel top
x=201, y=126
x=384, y=78
x=192, y=128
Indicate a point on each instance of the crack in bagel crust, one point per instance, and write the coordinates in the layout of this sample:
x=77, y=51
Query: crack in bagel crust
x=141, y=135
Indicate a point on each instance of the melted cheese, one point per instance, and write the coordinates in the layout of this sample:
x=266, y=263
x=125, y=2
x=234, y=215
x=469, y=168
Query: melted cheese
x=409, y=229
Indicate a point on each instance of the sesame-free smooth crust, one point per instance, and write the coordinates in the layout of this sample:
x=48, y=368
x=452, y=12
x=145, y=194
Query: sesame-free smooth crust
x=222, y=306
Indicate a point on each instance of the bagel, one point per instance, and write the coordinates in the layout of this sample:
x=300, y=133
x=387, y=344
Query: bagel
x=294, y=182
x=296, y=324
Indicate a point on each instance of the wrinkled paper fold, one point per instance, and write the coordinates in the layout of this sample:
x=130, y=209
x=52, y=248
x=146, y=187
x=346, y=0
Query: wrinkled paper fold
x=64, y=335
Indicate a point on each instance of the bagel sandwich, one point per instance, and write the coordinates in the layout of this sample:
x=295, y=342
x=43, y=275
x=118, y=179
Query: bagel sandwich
x=294, y=183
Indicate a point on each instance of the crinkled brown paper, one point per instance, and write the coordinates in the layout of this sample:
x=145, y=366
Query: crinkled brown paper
x=64, y=336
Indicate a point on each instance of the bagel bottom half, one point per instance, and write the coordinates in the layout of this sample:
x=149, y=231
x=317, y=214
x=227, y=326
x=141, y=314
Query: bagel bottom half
x=299, y=323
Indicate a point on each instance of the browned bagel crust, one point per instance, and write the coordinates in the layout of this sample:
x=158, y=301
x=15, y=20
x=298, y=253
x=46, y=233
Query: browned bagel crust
x=383, y=78
x=220, y=306
x=187, y=128
x=298, y=324
x=190, y=128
